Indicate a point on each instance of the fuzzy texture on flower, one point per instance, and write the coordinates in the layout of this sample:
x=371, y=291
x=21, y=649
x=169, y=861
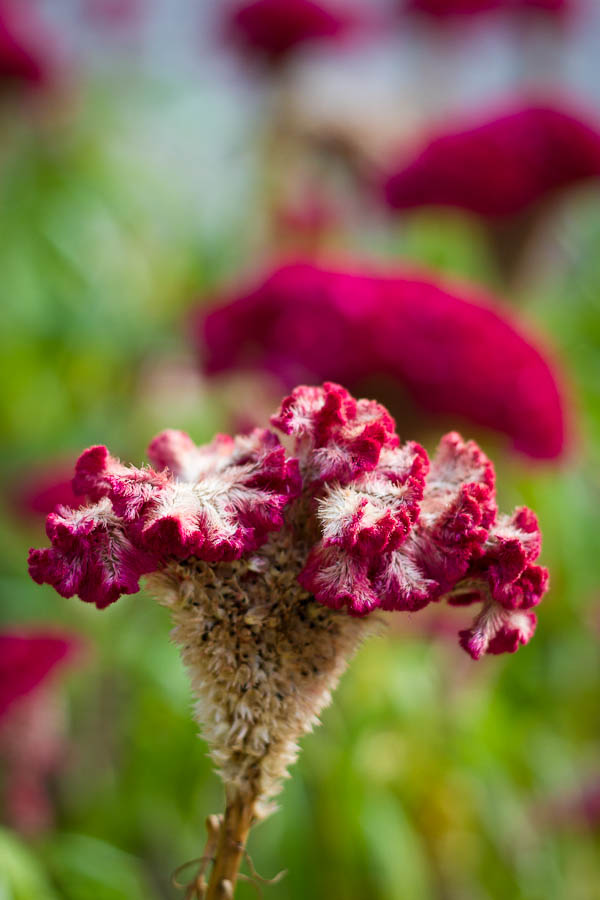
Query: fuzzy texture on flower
x=336, y=436
x=446, y=519
x=213, y=502
x=454, y=352
x=443, y=10
x=91, y=555
x=270, y=30
x=501, y=166
x=271, y=565
x=27, y=659
x=25, y=55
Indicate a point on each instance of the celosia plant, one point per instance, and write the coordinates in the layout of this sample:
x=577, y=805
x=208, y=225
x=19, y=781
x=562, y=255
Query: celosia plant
x=499, y=166
x=453, y=351
x=270, y=30
x=275, y=567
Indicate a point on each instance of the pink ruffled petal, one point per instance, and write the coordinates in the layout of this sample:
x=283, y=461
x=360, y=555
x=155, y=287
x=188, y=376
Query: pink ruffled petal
x=336, y=436
x=375, y=512
x=232, y=493
x=176, y=451
x=339, y=580
x=497, y=630
x=91, y=556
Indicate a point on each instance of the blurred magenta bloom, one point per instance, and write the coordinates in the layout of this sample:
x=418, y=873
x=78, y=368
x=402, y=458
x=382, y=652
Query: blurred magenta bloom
x=32, y=727
x=27, y=56
x=500, y=166
x=271, y=29
x=27, y=659
x=453, y=352
x=452, y=9
x=115, y=13
x=40, y=490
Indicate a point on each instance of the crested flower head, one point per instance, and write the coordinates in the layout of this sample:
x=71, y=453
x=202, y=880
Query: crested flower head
x=274, y=564
x=499, y=166
x=452, y=351
x=270, y=30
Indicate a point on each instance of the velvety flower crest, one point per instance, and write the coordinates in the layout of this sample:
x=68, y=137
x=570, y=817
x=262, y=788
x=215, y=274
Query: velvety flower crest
x=366, y=521
x=213, y=503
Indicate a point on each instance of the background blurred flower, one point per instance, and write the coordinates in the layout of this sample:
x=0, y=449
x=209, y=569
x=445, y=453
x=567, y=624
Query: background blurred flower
x=499, y=166
x=452, y=351
x=27, y=53
x=38, y=490
x=32, y=740
x=271, y=29
x=508, y=168
x=451, y=9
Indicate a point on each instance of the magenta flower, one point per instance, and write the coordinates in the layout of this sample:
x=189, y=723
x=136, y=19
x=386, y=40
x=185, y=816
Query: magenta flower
x=26, y=55
x=454, y=9
x=501, y=166
x=395, y=532
x=27, y=659
x=42, y=489
x=271, y=30
x=454, y=353
x=32, y=743
x=447, y=9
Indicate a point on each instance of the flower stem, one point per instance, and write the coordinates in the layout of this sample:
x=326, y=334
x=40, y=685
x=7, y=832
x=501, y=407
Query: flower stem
x=232, y=843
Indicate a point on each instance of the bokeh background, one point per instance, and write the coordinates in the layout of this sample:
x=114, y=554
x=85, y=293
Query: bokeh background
x=147, y=168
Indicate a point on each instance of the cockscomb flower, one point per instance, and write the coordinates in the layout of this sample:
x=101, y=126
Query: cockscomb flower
x=500, y=166
x=270, y=30
x=275, y=567
x=452, y=351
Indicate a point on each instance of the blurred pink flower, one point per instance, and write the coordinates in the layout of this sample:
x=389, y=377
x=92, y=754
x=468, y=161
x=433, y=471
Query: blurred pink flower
x=576, y=809
x=31, y=725
x=27, y=659
x=27, y=54
x=39, y=490
x=272, y=29
x=500, y=166
x=453, y=351
x=454, y=9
